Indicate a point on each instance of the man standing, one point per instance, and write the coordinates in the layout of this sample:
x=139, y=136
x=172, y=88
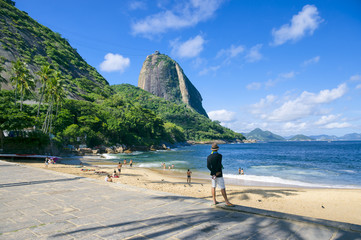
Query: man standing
x=214, y=164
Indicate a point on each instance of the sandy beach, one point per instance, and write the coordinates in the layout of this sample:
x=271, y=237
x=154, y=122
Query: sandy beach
x=342, y=205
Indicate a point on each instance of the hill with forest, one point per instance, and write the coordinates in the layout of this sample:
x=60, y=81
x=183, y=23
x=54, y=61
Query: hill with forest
x=196, y=126
x=300, y=137
x=52, y=97
x=22, y=38
x=265, y=136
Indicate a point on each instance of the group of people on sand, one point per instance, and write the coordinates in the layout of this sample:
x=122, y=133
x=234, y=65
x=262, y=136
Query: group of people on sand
x=120, y=165
x=109, y=177
x=49, y=160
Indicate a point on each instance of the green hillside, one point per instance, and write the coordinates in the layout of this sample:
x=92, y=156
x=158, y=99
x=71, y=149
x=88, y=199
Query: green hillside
x=300, y=137
x=266, y=136
x=196, y=126
x=21, y=37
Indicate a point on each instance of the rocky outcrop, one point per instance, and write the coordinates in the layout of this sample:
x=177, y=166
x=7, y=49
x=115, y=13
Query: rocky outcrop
x=163, y=77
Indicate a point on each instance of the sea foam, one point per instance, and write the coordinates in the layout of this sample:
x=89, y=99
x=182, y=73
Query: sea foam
x=271, y=180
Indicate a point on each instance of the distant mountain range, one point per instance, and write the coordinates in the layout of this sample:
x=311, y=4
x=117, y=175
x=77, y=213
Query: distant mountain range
x=267, y=136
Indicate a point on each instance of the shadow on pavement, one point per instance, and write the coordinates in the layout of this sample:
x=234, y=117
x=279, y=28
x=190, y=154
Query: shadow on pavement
x=38, y=182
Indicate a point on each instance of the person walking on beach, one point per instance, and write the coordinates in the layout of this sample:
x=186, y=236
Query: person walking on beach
x=214, y=164
x=189, y=174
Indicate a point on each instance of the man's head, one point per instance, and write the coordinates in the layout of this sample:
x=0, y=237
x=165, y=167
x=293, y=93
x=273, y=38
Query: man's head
x=214, y=147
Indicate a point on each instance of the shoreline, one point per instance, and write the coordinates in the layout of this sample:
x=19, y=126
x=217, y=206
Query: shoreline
x=341, y=205
x=233, y=179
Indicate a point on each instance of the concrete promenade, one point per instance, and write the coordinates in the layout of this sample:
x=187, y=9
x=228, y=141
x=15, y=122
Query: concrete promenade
x=42, y=204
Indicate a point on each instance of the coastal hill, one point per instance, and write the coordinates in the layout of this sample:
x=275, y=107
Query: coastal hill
x=265, y=136
x=300, y=137
x=21, y=37
x=195, y=126
x=79, y=107
x=163, y=77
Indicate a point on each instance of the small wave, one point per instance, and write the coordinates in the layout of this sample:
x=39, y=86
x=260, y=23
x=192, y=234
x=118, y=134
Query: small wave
x=109, y=156
x=281, y=181
x=149, y=165
x=348, y=171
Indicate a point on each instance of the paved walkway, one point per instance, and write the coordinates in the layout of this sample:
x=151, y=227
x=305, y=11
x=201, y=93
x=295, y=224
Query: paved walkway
x=41, y=204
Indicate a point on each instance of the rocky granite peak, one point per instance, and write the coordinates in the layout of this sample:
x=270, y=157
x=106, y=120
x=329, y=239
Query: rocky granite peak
x=163, y=77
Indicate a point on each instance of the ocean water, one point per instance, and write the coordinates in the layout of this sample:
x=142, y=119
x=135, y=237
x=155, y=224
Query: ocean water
x=303, y=164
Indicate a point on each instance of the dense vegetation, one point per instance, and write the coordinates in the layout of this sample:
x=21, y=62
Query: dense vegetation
x=110, y=122
x=196, y=126
x=23, y=38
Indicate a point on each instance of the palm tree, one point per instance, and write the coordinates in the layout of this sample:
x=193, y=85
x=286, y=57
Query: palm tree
x=23, y=80
x=44, y=74
x=54, y=95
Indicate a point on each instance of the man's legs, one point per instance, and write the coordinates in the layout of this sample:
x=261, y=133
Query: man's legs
x=224, y=194
x=214, y=195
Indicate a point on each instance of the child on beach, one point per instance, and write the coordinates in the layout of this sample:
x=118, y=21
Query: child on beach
x=115, y=175
x=131, y=163
x=189, y=173
x=108, y=178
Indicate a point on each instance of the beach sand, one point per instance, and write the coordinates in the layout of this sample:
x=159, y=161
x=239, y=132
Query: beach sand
x=342, y=205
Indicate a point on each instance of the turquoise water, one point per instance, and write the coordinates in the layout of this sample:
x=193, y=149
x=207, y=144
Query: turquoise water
x=304, y=164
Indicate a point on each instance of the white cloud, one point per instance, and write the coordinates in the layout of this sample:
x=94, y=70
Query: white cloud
x=135, y=5
x=265, y=103
x=209, y=69
x=270, y=82
x=186, y=14
x=294, y=126
x=254, y=55
x=306, y=104
x=254, y=86
x=355, y=78
x=337, y=125
x=114, y=62
x=305, y=22
x=358, y=86
x=188, y=49
x=311, y=61
x=231, y=52
x=222, y=115
x=287, y=75
x=327, y=119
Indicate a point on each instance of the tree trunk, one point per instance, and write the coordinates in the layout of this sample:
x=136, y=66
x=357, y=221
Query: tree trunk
x=41, y=99
x=21, y=99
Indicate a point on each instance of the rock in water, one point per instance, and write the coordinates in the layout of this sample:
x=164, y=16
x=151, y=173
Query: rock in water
x=163, y=77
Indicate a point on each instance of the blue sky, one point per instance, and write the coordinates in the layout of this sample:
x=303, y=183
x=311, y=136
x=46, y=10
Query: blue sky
x=285, y=66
